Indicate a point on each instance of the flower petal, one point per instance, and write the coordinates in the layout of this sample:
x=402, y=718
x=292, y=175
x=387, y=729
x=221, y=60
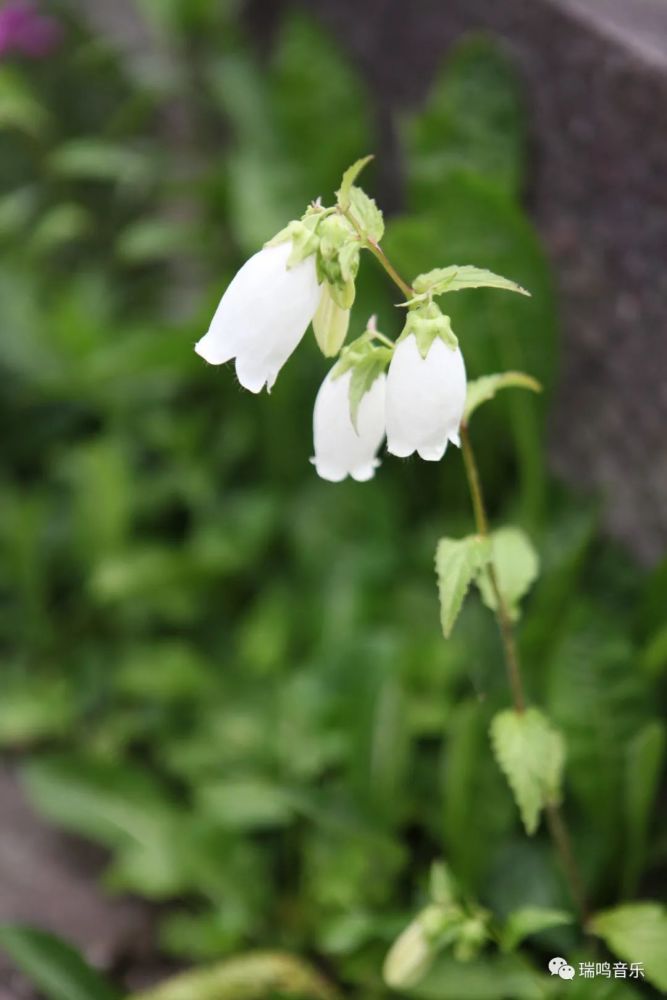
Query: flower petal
x=262, y=316
x=425, y=399
x=340, y=450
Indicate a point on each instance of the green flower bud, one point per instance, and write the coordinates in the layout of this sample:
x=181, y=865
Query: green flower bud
x=330, y=323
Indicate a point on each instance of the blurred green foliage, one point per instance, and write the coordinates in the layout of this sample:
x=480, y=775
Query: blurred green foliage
x=227, y=672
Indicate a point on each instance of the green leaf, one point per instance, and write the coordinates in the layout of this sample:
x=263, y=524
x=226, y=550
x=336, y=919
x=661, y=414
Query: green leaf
x=529, y=920
x=366, y=215
x=531, y=755
x=246, y=803
x=644, y=759
x=19, y=108
x=54, y=967
x=516, y=566
x=481, y=390
x=636, y=932
x=62, y=224
x=456, y=277
x=489, y=978
x=251, y=977
x=349, y=177
x=457, y=563
x=101, y=160
x=473, y=121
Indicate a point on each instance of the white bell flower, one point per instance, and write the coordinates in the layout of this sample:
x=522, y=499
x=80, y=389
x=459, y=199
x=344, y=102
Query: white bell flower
x=425, y=399
x=262, y=316
x=340, y=450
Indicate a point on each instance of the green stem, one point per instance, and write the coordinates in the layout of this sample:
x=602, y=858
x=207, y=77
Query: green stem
x=502, y=612
x=557, y=827
x=380, y=255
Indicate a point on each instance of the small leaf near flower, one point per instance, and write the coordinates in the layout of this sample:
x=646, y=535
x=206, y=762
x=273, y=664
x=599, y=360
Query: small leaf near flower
x=349, y=177
x=457, y=277
x=481, y=390
x=366, y=215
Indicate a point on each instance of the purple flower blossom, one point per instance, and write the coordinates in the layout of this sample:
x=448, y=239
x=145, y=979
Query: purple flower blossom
x=27, y=32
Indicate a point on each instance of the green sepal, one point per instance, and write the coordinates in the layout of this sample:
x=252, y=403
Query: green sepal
x=426, y=322
x=456, y=277
x=338, y=257
x=304, y=239
x=348, y=179
x=367, y=361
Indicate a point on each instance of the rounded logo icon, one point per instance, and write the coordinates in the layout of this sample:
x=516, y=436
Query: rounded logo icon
x=556, y=964
x=566, y=972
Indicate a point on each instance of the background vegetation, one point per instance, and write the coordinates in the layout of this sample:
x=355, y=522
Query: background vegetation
x=229, y=673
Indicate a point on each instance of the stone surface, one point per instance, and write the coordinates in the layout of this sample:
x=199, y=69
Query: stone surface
x=50, y=880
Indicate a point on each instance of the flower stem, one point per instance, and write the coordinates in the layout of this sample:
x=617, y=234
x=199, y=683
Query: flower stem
x=380, y=255
x=558, y=830
x=557, y=827
x=502, y=612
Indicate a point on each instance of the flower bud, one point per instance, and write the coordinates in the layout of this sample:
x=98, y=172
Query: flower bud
x=330, y=323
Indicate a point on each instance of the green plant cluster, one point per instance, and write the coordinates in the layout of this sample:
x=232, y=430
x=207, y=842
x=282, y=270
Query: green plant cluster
x=228, y=673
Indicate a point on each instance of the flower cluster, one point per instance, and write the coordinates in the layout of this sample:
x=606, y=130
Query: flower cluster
x=412, y=391
x=27, y=32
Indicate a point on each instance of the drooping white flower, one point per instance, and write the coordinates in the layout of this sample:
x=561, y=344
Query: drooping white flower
x=425, y=399
x=340, y=450
x=262, y=316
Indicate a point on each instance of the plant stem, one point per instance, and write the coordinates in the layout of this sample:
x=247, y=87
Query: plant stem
x=560, y=836
x=557, y=827
x=380, y=255
x=502, y=612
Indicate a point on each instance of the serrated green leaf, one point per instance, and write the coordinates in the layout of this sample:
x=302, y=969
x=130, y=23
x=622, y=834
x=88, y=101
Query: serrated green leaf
x=366, y=215
x=56, y=968
x=349, y=177
x=457, y=562
x=481, y=390
x=457, y=277
x=529, y=920
x=531, y=755
x=516, y=564
x=636, y=932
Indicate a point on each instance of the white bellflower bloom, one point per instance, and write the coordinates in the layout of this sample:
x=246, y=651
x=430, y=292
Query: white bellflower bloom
x=262, y=316
x=340, y=450
x=425, y=399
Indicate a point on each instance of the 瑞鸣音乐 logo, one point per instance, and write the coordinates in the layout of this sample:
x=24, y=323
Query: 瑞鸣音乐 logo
x=559, y=967
x=591, y=970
